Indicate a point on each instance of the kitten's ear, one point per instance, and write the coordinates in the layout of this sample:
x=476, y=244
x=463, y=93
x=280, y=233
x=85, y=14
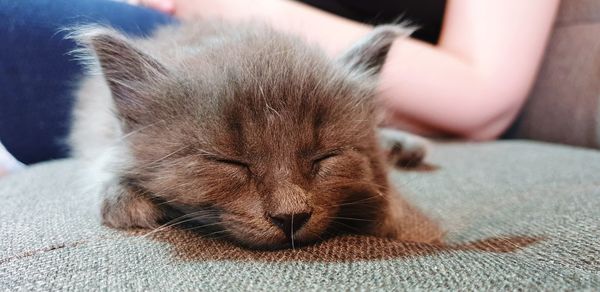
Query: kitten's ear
x=368, y=54
x=129, y=72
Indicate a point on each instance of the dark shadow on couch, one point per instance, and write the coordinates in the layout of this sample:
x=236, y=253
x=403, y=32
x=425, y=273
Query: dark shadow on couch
x=188, y=246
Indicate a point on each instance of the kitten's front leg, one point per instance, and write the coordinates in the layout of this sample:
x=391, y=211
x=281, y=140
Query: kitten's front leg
x=124, y=208
x=402, y=148
x=401, y=221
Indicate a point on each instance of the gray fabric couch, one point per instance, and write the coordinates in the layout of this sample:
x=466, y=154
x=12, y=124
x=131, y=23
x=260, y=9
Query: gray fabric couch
x=518, y=215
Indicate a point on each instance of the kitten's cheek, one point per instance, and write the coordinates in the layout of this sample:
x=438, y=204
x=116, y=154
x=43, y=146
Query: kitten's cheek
x=252, y=233
x=355, y=167
x=314, y=229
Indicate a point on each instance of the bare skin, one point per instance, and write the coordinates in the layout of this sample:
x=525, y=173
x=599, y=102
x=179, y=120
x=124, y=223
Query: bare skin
x=471, y=85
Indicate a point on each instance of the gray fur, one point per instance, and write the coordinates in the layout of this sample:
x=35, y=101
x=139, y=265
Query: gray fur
x=166, y=108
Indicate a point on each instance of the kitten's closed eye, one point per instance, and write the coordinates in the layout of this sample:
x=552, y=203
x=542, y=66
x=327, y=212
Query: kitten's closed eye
x=318, y=159
x=233, y=162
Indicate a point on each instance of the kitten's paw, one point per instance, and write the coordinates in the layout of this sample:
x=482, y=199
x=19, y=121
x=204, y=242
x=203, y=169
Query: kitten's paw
x=403, y=149
x=402, y=157
x=129, y=210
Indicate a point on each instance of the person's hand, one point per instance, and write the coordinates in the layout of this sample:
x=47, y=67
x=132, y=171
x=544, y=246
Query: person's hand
x=225, y=9
x=165, y=6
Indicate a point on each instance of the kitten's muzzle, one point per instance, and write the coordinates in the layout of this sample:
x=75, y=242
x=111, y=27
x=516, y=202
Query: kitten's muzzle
x=289, y=223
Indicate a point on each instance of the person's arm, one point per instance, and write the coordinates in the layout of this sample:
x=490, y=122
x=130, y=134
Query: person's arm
x=332, y=32
x=471, y=85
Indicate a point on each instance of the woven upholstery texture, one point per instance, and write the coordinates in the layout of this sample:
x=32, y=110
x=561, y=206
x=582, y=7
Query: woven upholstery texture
x=516, y=214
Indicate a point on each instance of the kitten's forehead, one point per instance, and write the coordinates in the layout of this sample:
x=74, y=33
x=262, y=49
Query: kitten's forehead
x=278, y=131
x=280, y=95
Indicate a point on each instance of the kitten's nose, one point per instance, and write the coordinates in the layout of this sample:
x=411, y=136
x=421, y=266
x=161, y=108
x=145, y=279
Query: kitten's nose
x=289, y=223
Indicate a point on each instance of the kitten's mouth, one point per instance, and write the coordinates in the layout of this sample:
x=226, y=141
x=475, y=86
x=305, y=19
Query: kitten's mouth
x=253, y=233
x=287, y=243
x=260, y=233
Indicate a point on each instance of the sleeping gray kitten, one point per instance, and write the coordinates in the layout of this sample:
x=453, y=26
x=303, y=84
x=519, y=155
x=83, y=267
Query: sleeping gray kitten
x=243, y=129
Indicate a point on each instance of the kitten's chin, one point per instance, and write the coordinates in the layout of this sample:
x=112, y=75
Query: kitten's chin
x=255, y=232
x=283, y=243
x=271, y=238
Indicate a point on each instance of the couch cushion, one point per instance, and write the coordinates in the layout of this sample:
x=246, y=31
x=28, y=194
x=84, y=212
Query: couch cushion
x=574, y=12
x=517, y=214
x=564, y=104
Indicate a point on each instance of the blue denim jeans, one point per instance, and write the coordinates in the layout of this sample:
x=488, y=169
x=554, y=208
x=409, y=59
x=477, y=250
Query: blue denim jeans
x=37, y=75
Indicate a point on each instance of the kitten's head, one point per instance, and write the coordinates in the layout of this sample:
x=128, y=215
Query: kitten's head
x=255, y=133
